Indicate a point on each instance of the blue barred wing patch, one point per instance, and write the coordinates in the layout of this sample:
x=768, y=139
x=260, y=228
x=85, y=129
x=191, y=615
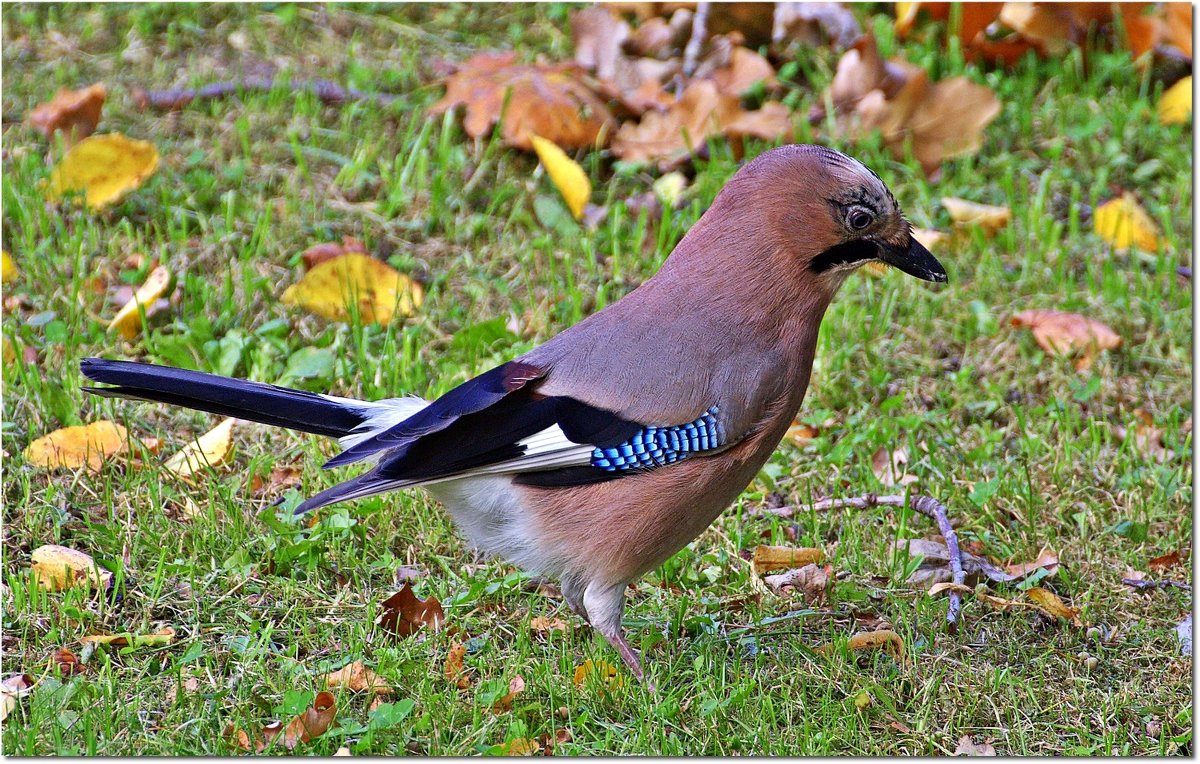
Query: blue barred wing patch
x=659, y=446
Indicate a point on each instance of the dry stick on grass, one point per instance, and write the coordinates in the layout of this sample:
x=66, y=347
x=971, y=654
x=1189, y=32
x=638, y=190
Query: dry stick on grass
x=329, y=92
x=925, y=505
x=691, y=53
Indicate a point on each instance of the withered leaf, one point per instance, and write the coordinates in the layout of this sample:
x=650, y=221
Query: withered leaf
x=1164, y=561
x=597, y=672
x=454, y=670
x=75, y=112
x=543, y=625
x=313, y=723
x=515, y=687
x=12, y=688
x=522, y=746
x=104, y=167
x=67, y=663
x=598, y=36
x=403, y=614
x=812, y=580
x=550, y=101
x=56, y=568
x=1049, y=602
x=319, y=253
x=769, y=558
x=884, y=639
x=164, y=636
x=1064, y=333
x=968, y=747
x=356, y=677
x=1047, y=559
x=888, y=466
x=74, y=447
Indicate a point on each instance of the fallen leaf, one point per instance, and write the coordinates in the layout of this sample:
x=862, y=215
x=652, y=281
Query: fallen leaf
x=312, y=723
x=75, y=112
x=542, y=625
x=800, y=434
x=1164, y=561
x=343, y=751
x=522, y=746
x=566, y=174
x=884, y=639
x=206, y=451
x=159, y=638
x=744, y=70
x=336, y=288
x=768, y=558
x=968, y=747
x=67, y=663
x=934, y=567
x=8, y=268
x=104, y=167
x=190, y=685
x=989, y=217
x=1123, y=223
x=1049, y=602
x=403, y=614
x=56, y=568
x=949, y=586
x=929, y=238
x=671, y=137
x=1047, y=560
x=319, y=253
x=550, y=101
x=454, y=670
x=12, y=688
x=74, y=447
x=1147, y=439
x=888, y=466
x=1175, y=106
x=515, y=687
x=597, y=672
x=1066, y=333
x=128, y=321
x=598, y=36
x=812, y=580
x=357, y=678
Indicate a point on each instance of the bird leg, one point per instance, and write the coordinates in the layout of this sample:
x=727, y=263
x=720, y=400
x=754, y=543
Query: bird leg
x=573, y=592
x=604, y=605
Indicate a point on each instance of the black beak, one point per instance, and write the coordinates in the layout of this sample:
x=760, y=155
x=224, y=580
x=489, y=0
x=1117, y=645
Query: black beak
x=914, y=260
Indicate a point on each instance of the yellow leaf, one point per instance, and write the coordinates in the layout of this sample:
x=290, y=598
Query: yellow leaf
x=157, y=639
x=74, y=447
x=597, y=671
x=56, y=568
x=987, y=216
x=1175, y=106
x=872, y=640
x=1049, y=602
x=929, y=238
x=768, y=558
x=8, y=267
x=522, y=746
x=568, y=177
x=376, y=289
x=1123, y=223
x=104, y=167
x=207, y=450
x=128, y=321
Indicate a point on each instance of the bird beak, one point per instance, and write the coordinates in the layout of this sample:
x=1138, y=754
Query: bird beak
x=913, y=259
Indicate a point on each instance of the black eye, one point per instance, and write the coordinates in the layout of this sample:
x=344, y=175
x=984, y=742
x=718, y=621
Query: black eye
x=859, y=219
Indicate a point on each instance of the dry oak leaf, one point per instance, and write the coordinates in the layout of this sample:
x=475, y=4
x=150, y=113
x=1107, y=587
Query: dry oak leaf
x=929, y=238
x=74, y=447
x=550, y=101
x=66, y=661
x=403, y=614
x=1049, y=602
x=769, y=558
x=861, y=70
x=104, y=167
x=128, y=321
x=989, y=217
x=812, y=580
x=56, y=568
x=973, y=17
x=888, y=466
x=356, y=282
x=454, y=670
x=75, y=112
x=1175, y=106
x=1123, y=223
x=13, y=687
x=313, y=723
x=357, y=678
x=164, y=636
x=206, y=451
x=968, y=747
x=566, y=174
x=1047, y=559
x=670, y=138
x=542, y=625
x=598, y=36
x=1164, y=561
x=744, y=70
x=1065, y=333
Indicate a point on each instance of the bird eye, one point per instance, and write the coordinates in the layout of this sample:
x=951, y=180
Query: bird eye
x=859, y=219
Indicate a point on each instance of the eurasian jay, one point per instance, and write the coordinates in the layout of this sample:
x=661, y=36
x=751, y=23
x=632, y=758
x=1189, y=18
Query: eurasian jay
x=596, y=456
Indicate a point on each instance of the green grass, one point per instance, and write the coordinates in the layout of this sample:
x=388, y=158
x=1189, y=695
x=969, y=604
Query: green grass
x=1015, y=442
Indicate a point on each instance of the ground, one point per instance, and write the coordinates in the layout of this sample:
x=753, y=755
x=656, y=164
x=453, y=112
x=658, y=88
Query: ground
x=1017, y=443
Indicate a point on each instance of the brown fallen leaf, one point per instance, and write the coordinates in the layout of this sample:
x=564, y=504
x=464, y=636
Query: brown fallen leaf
x=56, y=568
x=547, y=100
x=1065, y=333
x=990, y=218
x=1162, y=562
x=1046, y=559
x=888, y=466
x=769, y=558
x=66, y=662
x=355, y=282
x=282, y=476
x=598, y=36
x=357, y=678
x=189, y=686
x=1049, y=602
x=1147, y=439
x=12, y=688
x=75, y=112
x=800, y=434
x=313, y=723
x=949, y=586
x=1175, y=105
x=515, y=687
x=744, y=70
x=543, y=625
x=74, y=447
x=403, y=615
x=164, y=636
x=104, y=167
x=813, y=580
x=968, y=747
x=930, y=239
x=206, y=451
x=454, y=670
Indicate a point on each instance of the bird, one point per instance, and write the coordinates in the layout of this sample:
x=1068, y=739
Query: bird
x=600, y=453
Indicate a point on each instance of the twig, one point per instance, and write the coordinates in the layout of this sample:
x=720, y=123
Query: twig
x=329, y=92
x=925, y=505
x=1138, y=583
x=691, y=53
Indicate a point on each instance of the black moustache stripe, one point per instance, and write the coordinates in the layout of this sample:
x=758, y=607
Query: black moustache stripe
x=854, y=251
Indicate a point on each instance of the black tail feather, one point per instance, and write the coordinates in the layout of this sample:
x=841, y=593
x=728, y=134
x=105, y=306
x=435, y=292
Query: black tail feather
x=256, y=401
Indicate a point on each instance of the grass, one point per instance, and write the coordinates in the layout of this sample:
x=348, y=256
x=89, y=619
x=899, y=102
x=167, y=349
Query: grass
x=1017, y=443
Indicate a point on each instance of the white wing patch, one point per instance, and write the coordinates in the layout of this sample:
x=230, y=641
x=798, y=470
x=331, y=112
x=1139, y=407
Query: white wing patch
x=380, y=415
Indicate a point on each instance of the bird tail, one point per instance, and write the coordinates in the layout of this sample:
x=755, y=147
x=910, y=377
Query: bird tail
x=343, y=418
